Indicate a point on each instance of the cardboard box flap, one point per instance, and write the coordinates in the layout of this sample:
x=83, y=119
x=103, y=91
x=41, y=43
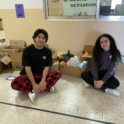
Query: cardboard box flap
x=88, y=48
x=8, y=50
x=6, y=60
x=17, y=43
x=87, y=52
x=16, y=56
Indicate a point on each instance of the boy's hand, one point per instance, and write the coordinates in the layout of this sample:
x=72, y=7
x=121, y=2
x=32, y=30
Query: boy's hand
x=36, y=88
x=42, y=85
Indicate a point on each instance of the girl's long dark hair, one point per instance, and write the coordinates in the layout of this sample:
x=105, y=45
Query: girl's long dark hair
x=98, y=50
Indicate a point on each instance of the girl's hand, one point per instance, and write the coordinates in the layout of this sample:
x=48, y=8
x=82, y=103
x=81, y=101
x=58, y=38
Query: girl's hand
x=95, y=83
x=99, y=84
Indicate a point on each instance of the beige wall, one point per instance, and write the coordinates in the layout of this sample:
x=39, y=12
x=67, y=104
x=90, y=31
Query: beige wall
x=0, y=14
x=1, y=25
x=55, y=8
x=63, y=35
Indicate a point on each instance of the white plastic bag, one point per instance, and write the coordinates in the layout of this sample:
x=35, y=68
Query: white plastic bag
x=74, y=61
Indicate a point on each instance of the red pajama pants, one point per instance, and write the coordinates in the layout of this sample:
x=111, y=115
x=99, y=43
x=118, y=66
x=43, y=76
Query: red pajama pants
x=22, y=83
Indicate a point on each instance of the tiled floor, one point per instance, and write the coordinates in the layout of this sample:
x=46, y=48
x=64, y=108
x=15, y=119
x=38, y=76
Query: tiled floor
x=71, y=103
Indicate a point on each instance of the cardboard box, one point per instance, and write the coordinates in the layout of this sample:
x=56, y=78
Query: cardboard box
x=8, y=50
x=21, y=49
x=16, y=56
x=72, y=71
x=89, y=62
x=89, y=49
x=5, y=54
x=17, y=66
x=54, y=57
x=6, y=60
x=55, y=66
x=120, y=67
x=14, y=47
x=16, y=59
x=2, y=47
x=2, y=66
x=17, y=44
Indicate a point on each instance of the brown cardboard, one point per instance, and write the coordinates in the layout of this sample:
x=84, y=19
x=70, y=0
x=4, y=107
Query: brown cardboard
x=16, y=58
x=89, y=62
x=21, y=49
x=7, y=50
x=120, y=67
x=17, y=43
x=6, y=60
x=2, y=66
x=72, y=71
x=55, y=66
x=2, y=47
x=17, y=66
x=89, y=49
x=54, y=57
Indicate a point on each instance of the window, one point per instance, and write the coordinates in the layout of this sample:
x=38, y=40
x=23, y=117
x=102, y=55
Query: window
x=83, y=9
x=114, y=3
x=112, y=8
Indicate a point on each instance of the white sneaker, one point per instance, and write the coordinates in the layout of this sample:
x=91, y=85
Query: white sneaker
x=87, y=85
x=52, y=89
x=112, y=91
x=32, y=96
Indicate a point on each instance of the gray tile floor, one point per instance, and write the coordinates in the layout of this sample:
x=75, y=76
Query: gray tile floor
x=69, y=98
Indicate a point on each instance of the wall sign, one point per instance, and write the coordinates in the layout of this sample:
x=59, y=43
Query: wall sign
x=19, y=11
x=79, y=7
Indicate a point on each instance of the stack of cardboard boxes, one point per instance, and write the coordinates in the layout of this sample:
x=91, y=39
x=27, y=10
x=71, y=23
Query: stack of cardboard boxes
x=12, y=54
